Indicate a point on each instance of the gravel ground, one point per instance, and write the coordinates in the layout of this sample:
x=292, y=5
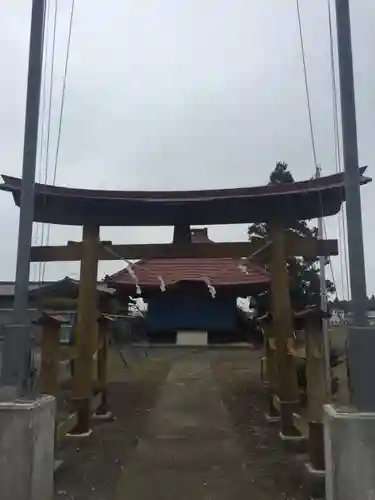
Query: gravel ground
x=93, y=467
x=276, y=473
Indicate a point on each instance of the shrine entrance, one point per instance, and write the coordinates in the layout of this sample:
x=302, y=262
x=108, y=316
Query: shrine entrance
x=275, y=204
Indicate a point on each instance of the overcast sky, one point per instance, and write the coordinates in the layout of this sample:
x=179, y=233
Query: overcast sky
x=183, y=94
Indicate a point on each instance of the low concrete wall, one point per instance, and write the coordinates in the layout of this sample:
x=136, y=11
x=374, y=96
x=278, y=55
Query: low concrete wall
x=350, y=454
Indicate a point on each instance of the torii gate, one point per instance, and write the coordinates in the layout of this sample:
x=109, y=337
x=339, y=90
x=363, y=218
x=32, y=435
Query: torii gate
x=277, y=205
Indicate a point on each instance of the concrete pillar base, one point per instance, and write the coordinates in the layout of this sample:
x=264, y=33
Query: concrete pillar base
x=106, y=417
x=314, y=472
x=27, y=437
x=349, y=438
x=292, y=439
x=79, y=435
x=294, y=443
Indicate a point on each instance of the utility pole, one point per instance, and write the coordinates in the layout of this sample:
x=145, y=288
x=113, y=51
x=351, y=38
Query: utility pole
x=18, y=343
x=351, y=165
x=323, y=305
x=361, y=337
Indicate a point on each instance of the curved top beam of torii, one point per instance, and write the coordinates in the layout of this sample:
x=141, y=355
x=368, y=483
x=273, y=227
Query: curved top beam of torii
x=68, y=206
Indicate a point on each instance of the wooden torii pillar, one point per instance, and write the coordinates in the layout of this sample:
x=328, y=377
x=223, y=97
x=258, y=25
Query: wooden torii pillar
x=86, y=329
x=282, y=315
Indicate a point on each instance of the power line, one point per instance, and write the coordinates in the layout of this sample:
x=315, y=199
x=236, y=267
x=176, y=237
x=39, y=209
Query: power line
x=311, y=128
x=312, y=137
x=63, y=91
x=71, y=17
x=50, y=83
x=45, y=240
x=342, y=228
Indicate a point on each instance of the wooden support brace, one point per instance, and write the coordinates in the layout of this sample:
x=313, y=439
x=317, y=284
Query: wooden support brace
x=270, y=363
x=316, y=388
x=103, y=366
x=49, y=373
x=272, y=343
x=50, y=352
x=272, y=375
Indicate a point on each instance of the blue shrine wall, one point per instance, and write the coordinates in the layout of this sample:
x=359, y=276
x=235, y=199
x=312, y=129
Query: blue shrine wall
x=191, y=311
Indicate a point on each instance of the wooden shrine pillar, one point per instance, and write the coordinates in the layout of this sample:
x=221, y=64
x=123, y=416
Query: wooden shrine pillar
x=50, y=355
x=86, y=329
x=316, y=387
x=283, y=330
x=271, y=370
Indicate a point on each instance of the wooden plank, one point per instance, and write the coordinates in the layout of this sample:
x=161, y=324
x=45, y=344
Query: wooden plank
x=309, y=247
x=56, y=253
x=304, y=247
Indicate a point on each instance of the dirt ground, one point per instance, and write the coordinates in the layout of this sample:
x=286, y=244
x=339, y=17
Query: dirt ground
x=277, y=473
x=92, y=468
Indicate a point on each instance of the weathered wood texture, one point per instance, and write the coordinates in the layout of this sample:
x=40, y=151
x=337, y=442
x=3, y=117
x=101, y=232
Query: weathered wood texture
x=272, y=376
x=283, y=330
x=102, y=380
x=86, y=338
x=50, y=358
x=316, y=388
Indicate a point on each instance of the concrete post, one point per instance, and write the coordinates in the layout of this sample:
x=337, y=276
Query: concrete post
x=349, y=454
x=27, y=448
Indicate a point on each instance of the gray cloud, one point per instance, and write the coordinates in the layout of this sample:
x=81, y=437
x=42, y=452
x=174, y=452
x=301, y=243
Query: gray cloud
x=187, y=94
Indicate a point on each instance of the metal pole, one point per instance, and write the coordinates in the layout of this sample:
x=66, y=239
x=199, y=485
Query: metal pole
x=17, y=348
x=361, y=337
x=323, y=305
x=350, y=152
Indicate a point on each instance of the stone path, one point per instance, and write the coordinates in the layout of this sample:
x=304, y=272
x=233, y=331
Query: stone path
x=189, y=450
